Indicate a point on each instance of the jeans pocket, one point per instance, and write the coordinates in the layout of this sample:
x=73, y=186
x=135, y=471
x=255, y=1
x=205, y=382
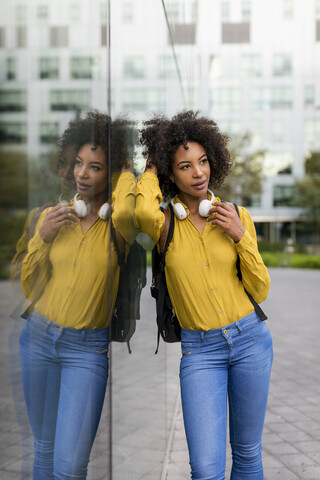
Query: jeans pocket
x=259, y=331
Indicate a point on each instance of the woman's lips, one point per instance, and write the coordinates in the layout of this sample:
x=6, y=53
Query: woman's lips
x=200, y=185
x=82, y=186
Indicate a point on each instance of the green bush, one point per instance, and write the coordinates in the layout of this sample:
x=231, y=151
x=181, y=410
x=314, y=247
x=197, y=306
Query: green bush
x=271, y=259
x=305, y=261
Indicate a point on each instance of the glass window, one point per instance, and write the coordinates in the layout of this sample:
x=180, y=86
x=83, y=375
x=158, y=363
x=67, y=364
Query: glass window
x=167, y=66
x=173, y=12
x=288, y=9
x=13, y=132
x=59, y=36
x=73, y=100
x=256, y=131
x=278, y=163
x=250, y=65
x=11, y=68
x=134, y=67
x=127, y=12
x=103, y=35
x=194, y=11
x=103, y=13
x=75, y=12
x=282, y=64
x=246, y=10
x=311, y=133
x=21, y=13
x=215, y=67
x=2, y=37
x=282, y=195
x=84, y=67
x=225, y=11
x=13, y=100
x=21, y=37
x=277, y=130
x=317, y=8
x=142, y=99
x=48, y=132
x=49, y=67
x=225, y=99
x=42, y=12
x=309, y=96
x=265, y=98
x=230, y=127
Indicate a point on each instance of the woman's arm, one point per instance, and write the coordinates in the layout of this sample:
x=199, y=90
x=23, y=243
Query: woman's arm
x=148, y=215
x=241, y=229
x=124, y=200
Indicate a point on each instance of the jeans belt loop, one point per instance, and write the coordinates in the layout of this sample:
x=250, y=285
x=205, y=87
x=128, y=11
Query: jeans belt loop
x=202, y=336
x=239, y=327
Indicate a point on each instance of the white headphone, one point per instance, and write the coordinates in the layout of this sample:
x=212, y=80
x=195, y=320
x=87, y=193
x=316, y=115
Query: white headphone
x=82, y=209
x=204, y=207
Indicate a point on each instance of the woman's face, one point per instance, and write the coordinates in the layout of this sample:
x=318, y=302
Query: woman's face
x=90, y=172
x=191, y=171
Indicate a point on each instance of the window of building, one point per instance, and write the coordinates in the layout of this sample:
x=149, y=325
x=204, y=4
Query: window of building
x=265, y=98
x=282, y=64
x=246, y=10
x=183, y=34
x=2, y=37
x=141, y=99
x=21, y=13
x=288, y=9
x=127, y=12
x=21, y=37
x=103, y=15
x=13, y=132
x=256, y=131
x=230, y=127
x=13, y=100
x=318, y=31
x=134, y=67
x=167, y=66
x=317, y=9
x=250, y=65
x=225, y=99
x=59, y=36
x=11, y=68
x=277, y=130
x=311, y=129
x=215, y=67
x=75, y=12
x=309, y=96
x=236, y=32
x=69, y=100
x=84, y=67
x=225, y=11
x=49, y=67
x=48, y=132
x=173, y=12
x=278, y=163
x=282, y=195
x=42, y=12
x=194, y=11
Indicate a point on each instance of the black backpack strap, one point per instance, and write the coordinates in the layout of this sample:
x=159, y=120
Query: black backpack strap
x=119, y=244
x=256, y=306
x=164, y=242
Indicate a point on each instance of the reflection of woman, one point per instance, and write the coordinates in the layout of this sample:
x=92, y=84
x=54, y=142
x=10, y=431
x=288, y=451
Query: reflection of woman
x=226, y=349
x=71, y=274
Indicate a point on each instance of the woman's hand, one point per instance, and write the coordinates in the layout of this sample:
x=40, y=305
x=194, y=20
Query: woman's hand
x=225, y=216
x=150, y=167
x=60, y=215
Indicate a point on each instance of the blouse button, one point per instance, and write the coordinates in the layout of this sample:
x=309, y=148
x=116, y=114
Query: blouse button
x=75, y=264
x=207, y=263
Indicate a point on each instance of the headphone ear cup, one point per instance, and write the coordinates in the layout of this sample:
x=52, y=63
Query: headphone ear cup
x=80, y=207
x=179, y=210
x=204, y=208
x=105, y=211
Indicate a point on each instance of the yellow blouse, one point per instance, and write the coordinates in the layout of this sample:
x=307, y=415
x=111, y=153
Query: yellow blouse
x=77, y=275
x=201, y=268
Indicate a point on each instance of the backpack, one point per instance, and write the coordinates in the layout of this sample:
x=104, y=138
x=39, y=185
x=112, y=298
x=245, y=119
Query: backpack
x=167, y=322
x=131, y=282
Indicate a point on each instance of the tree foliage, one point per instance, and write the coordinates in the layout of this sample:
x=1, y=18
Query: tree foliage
x=14, y=179
x=244, y=181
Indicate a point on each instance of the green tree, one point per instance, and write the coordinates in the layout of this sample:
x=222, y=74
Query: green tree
x=307, y=194
x=244, y=182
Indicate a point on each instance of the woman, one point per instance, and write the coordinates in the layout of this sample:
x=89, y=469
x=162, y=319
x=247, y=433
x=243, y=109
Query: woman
x=226, y=348
x=71, y=275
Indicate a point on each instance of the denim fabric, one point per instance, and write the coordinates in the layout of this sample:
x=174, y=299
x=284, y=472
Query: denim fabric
x=234, y=364
x=64, y=374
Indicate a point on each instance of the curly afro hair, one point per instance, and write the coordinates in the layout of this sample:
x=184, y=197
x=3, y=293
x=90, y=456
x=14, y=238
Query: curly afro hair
x=97, y=129
x=161, y=138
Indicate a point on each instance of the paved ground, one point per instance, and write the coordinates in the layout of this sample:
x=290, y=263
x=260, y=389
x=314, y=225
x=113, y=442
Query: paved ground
x=146, y=410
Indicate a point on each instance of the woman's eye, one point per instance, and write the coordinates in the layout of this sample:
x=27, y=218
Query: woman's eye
x=204, y=160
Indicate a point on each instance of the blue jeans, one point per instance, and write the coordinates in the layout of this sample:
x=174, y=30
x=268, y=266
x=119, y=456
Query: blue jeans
x=231, y=363
x=64, y=375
